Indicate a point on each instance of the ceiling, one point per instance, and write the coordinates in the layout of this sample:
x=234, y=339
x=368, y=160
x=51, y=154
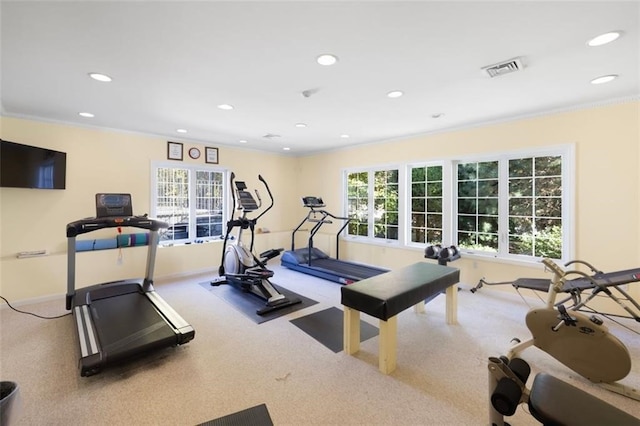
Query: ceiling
x=173, y=63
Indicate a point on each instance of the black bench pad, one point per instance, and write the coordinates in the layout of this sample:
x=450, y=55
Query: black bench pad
x=554, y=402
x=386, y=295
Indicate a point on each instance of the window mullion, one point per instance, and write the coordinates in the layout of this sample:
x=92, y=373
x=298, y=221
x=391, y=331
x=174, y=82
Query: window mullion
x=192, y=188
x=371, y=180
x=449, y=213
x=503, y=207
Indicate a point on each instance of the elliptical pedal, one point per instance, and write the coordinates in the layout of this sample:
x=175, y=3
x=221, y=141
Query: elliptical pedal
x=270, y=254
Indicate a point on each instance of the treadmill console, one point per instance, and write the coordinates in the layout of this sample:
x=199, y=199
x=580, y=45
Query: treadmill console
x=312, y=202
x=110, y=205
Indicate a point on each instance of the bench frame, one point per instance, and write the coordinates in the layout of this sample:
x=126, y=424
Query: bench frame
x=388, y=340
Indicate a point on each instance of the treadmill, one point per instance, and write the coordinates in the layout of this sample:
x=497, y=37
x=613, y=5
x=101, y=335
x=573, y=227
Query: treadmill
x=120, y=320
x=313, y=261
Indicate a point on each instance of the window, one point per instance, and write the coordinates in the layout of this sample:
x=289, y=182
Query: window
x=385, y=214
x=191, y=200
x=535, y=207
x=373, y=204
x=478, y=206
x=426, y=205
x=515, y=206
x=358, y=202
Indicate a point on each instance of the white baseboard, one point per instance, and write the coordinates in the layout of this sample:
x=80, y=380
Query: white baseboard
x=34, y=300
x=61, y=296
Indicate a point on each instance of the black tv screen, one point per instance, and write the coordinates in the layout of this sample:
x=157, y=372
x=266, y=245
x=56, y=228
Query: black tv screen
x=24, y=166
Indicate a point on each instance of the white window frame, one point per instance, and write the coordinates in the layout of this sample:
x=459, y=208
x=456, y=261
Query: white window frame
x=192, y=169
x=370, y=238
x=567, y=152
x=447, y=217
x=449, y=201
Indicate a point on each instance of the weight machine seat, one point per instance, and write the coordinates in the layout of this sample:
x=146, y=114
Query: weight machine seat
x=554, y=402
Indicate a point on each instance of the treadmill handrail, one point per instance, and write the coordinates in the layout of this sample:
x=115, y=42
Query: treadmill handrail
x=318, y=224
x=83, y=226
x=91, y=224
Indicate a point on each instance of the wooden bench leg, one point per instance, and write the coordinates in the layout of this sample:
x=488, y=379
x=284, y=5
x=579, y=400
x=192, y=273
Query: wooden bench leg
x=452, y=304
x=387, y=351
x=351, y=330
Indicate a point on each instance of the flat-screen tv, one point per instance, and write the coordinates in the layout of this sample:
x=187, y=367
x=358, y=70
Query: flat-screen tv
x=24, y=166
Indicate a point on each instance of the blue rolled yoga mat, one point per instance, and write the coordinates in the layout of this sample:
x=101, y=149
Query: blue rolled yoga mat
x=125, y=240
x=104, y=244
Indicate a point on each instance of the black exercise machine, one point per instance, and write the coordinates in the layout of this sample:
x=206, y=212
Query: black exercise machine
x=313, y=261
x=239, y=266
x=118, y=320
x=551, y=401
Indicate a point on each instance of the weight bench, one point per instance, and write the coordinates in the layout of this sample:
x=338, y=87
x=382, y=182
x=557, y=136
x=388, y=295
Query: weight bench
x=385, y=296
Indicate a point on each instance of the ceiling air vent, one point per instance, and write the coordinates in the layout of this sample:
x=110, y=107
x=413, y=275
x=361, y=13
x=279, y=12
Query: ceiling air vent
x=501, y=68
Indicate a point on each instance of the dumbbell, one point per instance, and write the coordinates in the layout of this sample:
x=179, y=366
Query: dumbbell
x=433, y=251
x=449, y=253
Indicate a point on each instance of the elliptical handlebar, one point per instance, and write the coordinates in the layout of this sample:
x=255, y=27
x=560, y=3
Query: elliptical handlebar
x=264, y=182
x=233, y=193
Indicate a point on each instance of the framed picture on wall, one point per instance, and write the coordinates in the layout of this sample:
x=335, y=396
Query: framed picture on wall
x=174, y=151
x=211, y=155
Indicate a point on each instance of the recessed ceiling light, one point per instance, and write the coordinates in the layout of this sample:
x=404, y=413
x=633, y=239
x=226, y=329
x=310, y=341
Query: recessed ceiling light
x=100, y=77
x=604, y=79
x=604, y=38
x=395, y=94
x=301, y=125
x=181, y=130
x=242, y=141
x=327, y=59
x=225, y=106
x=286, y=148
x=86, y=114
x=345, y=136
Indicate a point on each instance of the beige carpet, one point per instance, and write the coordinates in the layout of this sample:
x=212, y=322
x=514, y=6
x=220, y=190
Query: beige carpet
x=233, y=364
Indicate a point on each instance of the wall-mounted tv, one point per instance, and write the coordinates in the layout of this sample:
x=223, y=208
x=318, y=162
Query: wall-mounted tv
x=24, y=166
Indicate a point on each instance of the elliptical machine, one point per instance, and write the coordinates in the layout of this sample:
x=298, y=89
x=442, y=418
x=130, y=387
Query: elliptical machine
x=239, y=266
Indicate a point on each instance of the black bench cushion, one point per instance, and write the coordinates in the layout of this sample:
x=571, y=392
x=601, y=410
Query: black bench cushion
x=388, y=294
x=554, y=402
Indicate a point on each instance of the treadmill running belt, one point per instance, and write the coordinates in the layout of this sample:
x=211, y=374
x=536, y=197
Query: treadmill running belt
x=129, y=324
x=348, y=269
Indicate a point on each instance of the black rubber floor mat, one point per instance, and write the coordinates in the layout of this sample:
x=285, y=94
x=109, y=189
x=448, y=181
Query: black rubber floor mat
x=326, y=327
x=254, y=416
x=249, y=303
